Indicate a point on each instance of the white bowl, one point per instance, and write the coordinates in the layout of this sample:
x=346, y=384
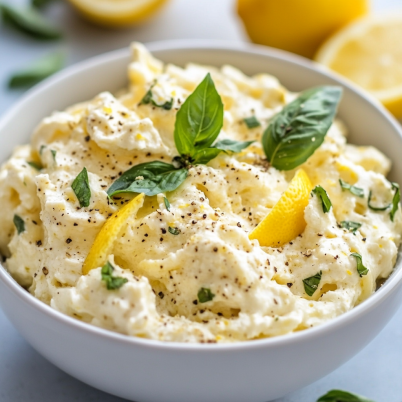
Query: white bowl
x=145, y=370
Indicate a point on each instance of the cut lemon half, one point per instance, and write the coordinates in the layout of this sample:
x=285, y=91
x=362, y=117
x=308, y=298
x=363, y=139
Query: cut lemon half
x=369, y=53
x=286, y=219
x=111, y=230
x=117, y=13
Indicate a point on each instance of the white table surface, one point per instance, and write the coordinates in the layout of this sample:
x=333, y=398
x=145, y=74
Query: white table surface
x=24, y=375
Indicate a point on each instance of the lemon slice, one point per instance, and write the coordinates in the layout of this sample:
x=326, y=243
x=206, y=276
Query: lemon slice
x=104, y=241
x=286, y=219
x=117, y=13
x=369, y=53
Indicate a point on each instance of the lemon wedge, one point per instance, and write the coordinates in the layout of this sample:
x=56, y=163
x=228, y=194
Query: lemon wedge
x=117, y=13
x=286, y=219
x=369, y=53
x=298, y=26
x=104, y=241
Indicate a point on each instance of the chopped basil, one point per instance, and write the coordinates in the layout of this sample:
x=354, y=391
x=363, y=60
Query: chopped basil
x=81, y=188
x=337, y=395
x=205, y=295
x=35, y=165
x=361, y=269
x=252, y=122
x=174, y=231
x=53, y=154
x=353, y=189
x=300, y=127
x=351, y=226
x=112, y=282
x=326, y=202
x=311, y=283
x=37, y=71
x=29, y=21
x=395, y=200
x=167, y=203
x=232, y=145
x=148, y=98
x=19, y=224
x=376, y=208
x=150, y=178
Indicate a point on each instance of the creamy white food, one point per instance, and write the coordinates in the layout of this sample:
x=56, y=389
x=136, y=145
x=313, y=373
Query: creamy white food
x=259, y=291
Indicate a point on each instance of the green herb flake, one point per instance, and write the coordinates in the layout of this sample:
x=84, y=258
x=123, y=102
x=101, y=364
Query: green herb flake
x=53, y=154
x=167, y=203
x=300, y=127
x=81, y=188
x=361, y=269
x=311, y=283
x=38, y=71
x=373, y=208
x=41, y=149
x=174, y=231
x=252, y=122
x=148, y=99
x=205, y=295
x=395, y=200
x=35, y=165
x=112, y=282
x=359, y=192
x=326, y=202
x=337, y=395
x=19, y=224
x=29, y=21
x=159, y=177
x=351, y=226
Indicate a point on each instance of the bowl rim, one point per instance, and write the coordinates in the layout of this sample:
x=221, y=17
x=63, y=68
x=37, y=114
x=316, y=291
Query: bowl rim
x=343, y=320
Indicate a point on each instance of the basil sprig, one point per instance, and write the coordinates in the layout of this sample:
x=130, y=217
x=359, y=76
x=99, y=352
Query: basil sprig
x=149, y=178
x=29, y=21
x=81, y=188
x=337, y=395
x=311, y=283
x=19, y=224
x=300, y=127
x=351, y=226
x=361, y=269
x=38, y=71
x=205, y=295
x=112, y=282
x=359, y=192
x=325, y=201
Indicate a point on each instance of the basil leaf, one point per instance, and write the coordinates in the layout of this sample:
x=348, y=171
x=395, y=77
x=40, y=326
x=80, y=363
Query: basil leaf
x=395, y=200
x=38, y=71
x=232, y=145
x=199, y=120
x=150, y=178
x=148, y=98
x=112, y=282
x=376, y=208
x=41, y=3
x=167, y=203
x=53, y=154
x=361, y=269
x=205, y=295
x=30, y=21
x=35, y=165
x=203, y=156
x=252, y=122
x=326, y=202
x=81, y=188
x=19, y=224
x=174, y=231
x=300, y=127
x=337, y=395
x=351, y=226
x=311, y=283
x=353, y=189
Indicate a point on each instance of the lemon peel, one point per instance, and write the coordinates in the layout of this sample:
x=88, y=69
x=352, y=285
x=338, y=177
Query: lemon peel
x=104, y=241
x=286, y=219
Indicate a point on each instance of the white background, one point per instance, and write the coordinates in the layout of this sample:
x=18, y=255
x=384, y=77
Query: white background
x=24, y=375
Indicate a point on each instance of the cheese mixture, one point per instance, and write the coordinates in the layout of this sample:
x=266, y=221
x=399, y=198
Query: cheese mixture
x=254, y=291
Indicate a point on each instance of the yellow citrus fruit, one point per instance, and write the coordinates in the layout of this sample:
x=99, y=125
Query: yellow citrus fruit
x=369, y=53
x=104, y=241
x=117, y=13
x=298, y=26
x=286, y=219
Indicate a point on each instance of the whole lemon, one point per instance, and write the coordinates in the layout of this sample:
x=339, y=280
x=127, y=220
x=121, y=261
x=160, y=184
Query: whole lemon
x=298, y=26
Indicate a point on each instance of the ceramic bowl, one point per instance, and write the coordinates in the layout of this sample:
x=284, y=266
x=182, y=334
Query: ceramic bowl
x=149, y=371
